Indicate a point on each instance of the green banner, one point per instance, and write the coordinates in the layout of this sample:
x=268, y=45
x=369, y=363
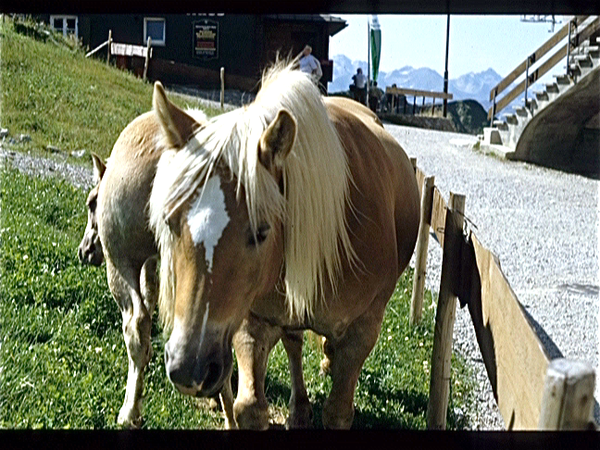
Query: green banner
x=375, y=43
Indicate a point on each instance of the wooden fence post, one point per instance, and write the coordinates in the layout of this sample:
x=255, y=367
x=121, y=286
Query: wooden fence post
x=147, y=60
x=568, y=397
x=413, y=161
x=109, y=45
x=416, y=302
x=222, y=87
x=439, y=386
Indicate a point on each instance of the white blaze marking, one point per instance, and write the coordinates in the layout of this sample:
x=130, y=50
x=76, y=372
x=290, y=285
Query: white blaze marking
x=208, y=218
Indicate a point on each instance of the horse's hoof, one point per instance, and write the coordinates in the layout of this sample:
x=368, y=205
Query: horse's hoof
x=251, y=416
x=336, y=418
x=300, y=418
x=129, y=419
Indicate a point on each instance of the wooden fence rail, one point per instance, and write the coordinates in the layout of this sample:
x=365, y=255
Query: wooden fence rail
x=532, y=392
x=393, y=91
x=128, y=50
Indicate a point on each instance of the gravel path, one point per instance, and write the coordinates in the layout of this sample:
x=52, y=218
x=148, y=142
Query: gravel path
x=56, y=165
x=542, y=224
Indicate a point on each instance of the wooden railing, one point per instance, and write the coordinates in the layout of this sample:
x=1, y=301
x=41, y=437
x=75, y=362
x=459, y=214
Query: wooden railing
x=115, y=48
x=532, y=390
x=572, y=30
x=392, y=90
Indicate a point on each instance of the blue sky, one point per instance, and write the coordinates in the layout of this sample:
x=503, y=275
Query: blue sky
x=476, y=42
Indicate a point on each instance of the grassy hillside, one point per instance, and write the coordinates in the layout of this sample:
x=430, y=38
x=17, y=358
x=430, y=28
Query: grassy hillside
x=52, y=93
x=63, y=362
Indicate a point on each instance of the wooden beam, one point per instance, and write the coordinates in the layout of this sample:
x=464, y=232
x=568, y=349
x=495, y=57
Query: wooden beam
x=533, y=77
x=568, y=399
x=438, y=215
x=515, y=359
x=147, y=57
x=418, y=292
x=420, y=177
x=439, y=386
x=417, y=93
x=109, y=47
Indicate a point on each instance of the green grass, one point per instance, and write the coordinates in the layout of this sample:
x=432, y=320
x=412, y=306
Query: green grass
x=51, y=92
x=63, y=361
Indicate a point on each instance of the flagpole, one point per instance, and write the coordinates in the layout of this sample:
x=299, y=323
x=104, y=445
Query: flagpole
x=368, y=58
x=445, y=107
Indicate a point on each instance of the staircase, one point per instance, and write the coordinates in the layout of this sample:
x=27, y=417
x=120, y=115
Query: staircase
x=558, y=127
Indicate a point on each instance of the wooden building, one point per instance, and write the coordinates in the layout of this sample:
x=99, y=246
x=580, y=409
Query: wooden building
x=191, y=48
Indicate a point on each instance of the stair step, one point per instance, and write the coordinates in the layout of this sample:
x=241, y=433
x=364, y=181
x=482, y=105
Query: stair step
x=521, y=111
x=542, y=95
x=552, y=88
x=583, y=60
x=575, y=69
x=500, y=124
x=511, y=119
x=562, y=79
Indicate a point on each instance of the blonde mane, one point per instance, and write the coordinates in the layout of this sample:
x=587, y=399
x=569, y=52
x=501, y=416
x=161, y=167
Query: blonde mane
x=316, y=181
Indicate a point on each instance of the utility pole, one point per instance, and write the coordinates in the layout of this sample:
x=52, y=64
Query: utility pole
x=445, y=109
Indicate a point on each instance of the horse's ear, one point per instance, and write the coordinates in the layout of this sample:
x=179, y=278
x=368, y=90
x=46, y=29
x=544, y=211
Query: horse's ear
x=99, y=168
x=178, y=127
x=277, y=140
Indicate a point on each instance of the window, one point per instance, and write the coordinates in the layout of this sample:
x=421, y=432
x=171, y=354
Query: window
x=64, y=24
x=154, y=28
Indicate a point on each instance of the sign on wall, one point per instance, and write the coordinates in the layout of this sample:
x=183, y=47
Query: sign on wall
x=206, y=39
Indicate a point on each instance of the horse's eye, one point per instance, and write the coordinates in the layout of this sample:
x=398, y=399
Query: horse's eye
x=258, y=237
x=92, y=204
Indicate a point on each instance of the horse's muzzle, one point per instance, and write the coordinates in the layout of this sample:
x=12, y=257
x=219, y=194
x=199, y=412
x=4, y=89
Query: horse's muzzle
x=90, y=252
x=198, y=377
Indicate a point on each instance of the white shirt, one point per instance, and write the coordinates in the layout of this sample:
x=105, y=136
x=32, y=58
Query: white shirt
x=311, y=65
x=360, y=80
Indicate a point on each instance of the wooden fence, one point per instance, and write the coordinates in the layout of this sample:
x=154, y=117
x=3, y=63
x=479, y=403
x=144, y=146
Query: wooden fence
x=125, y=51
x=532, y=392
x=394, y=91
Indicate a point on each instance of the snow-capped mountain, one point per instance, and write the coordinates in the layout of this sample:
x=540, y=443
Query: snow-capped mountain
x=474, y=86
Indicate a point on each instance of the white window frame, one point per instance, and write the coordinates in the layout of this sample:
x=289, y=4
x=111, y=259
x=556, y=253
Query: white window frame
x=155, y=43
x=64, y=19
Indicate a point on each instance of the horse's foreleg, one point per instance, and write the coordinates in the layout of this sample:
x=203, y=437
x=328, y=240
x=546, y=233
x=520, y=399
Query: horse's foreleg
x=347, y=355
x=253, y=343
x=136, y=309
x=300, y=415
x=226, y=397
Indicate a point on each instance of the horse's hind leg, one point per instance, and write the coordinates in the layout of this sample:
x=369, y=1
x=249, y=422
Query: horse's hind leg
x=300, y=415
x=253, y=343
x=347, y=355
x=136, y=307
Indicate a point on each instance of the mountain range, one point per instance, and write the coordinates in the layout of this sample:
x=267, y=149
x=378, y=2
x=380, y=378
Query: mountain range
x=471, y=86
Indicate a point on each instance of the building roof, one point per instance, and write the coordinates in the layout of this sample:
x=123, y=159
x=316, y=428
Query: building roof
x=334, y=24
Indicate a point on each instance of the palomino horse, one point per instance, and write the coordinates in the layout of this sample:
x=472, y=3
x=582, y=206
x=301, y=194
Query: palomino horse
x=117, y=211
x=294, y=212
x=117, y=230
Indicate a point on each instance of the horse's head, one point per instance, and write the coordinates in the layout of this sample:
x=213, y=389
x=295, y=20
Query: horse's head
x=219, y=253
x=90, y=248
